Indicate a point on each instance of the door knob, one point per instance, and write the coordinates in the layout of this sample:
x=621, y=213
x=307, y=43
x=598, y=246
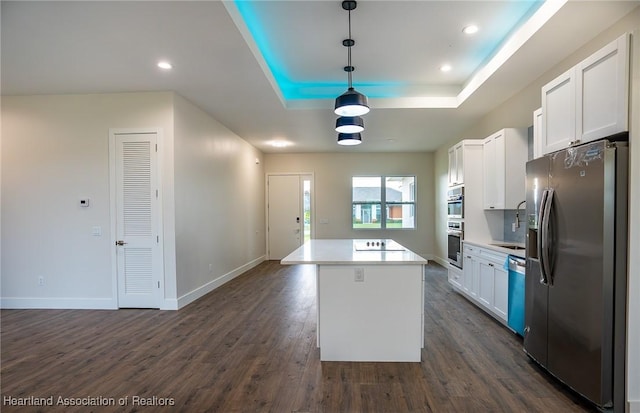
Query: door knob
x=120, y=242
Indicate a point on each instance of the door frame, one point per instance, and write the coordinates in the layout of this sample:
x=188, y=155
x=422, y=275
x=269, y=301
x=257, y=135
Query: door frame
x=113, y=132
x=266, y=203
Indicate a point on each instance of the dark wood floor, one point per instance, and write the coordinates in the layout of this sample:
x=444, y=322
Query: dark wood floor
x=249, y=346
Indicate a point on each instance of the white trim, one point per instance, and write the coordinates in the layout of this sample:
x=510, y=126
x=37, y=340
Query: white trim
x=441, y=261
x=188, y=298
x=112, y=203
x=21, y=303
x=634, y=406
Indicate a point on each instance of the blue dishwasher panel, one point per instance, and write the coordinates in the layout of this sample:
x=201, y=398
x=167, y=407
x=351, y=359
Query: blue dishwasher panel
x=515, y=312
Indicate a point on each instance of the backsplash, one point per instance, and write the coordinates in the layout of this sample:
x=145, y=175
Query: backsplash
x=509, y=219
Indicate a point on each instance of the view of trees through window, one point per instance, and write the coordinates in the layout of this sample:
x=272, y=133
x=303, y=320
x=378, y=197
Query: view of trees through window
x=383, y=201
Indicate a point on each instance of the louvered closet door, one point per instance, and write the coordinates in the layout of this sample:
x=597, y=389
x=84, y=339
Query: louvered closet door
x=139, y=257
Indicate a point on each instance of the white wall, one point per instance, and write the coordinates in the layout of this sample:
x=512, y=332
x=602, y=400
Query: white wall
x=54, y=152
x=332, y=191
x=219, y=203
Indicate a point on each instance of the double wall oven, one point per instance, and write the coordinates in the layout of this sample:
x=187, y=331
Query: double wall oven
x=455, y=225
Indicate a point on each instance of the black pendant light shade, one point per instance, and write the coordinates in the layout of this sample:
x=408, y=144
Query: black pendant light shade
x=351, y=103
x=349, y=124
x=349, y=139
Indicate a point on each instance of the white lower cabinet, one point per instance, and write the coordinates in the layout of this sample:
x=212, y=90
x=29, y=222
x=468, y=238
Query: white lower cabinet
x=455, y=276
x=501, y=292
x=485, y=281
x=471, y=272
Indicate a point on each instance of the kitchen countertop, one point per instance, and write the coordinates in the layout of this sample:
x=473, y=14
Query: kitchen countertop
x=493, y=246
x=353, y=251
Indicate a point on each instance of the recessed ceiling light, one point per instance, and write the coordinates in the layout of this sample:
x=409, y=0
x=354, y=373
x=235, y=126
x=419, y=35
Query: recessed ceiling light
x=445, y=68
x=279, y=144
x=470, y=29
x=164, y=65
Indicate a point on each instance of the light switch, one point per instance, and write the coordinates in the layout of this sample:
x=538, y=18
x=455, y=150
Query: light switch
x=96, y=231
x=358, y=275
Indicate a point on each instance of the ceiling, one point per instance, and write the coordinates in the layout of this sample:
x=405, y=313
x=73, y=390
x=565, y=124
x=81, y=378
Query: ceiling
x=270, y=70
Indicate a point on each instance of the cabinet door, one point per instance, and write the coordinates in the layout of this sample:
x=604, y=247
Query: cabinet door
x=486, y=279
x=489, y=173
x=559, y=108
x=470, y=275
x=452, y=167
x=467, y=274
x=501, y=292
x=459, y=155
x=494, y=171
x=602, y=99
x=537, y=133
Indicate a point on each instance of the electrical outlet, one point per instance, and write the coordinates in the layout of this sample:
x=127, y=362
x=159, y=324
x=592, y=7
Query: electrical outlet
x=41, y=281
x=358, y=275
x=513, y=227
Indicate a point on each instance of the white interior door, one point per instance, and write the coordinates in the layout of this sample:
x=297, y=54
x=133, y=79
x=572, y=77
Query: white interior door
x=137, y=216
x=286, y=214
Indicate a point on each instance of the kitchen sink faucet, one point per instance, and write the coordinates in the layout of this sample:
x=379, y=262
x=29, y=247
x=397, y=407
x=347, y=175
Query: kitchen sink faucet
x=517, y=223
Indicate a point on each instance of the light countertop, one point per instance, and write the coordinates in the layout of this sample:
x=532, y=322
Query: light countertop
x=499, y=246
x=353, y=251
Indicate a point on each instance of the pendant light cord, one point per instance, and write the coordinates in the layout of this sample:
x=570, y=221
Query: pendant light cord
x=349, y=54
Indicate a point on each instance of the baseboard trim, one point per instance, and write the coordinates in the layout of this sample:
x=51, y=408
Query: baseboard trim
x=23, y=303
x=441, y=261
x=199, y=292
x=634, y=406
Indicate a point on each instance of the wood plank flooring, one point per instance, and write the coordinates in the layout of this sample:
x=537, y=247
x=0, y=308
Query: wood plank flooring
x=250, y=346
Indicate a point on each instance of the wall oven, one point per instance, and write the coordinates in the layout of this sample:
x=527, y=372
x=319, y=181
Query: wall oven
x=455, y=203
x=455, y=235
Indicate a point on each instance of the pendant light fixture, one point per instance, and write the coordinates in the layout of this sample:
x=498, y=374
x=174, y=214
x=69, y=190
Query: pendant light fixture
x=347, y=124
x=351, y=103
x=349, y=139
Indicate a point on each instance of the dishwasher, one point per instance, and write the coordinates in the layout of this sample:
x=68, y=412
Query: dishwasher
x=515, y=309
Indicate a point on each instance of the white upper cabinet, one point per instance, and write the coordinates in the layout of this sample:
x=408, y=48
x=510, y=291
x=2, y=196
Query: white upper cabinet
x=504, y=159
x=456, y=164
x=559, y=112
x=537, y=133
x=603, y=97
x=589, y=101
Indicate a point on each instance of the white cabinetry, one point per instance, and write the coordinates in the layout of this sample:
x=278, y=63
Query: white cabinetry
x=455, y=276
x=456, y=164
x=537, y=133
x=484, y=280
x=504, y=159
x=471, y=272
x=589, y=101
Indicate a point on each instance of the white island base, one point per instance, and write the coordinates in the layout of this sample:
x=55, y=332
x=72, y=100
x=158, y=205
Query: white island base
x=370, y=303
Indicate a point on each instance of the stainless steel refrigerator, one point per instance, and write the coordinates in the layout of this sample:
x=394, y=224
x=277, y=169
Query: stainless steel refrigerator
x=576, y=276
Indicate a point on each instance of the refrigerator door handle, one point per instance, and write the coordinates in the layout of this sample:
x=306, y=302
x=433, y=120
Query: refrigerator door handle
x=540, y=241
x=545, y=252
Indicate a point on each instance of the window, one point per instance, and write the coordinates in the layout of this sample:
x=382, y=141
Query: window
x=383, y=202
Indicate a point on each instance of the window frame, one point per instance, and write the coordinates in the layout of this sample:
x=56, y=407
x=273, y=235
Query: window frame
x=384, y=205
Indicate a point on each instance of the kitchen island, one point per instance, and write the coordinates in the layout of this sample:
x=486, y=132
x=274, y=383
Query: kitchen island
x=370, y=298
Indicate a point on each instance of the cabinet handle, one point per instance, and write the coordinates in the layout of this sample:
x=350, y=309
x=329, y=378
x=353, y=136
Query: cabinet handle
x=468, y=256
x=490, y=265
